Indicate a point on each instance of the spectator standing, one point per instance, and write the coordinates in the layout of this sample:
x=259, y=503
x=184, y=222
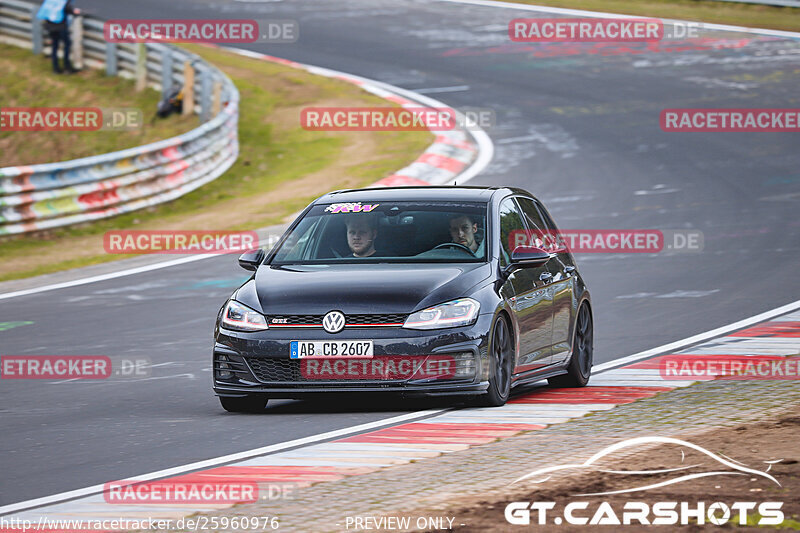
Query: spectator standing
x=57, y=15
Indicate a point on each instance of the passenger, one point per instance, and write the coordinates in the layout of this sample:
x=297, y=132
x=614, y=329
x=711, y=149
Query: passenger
x=362, y=229
x=462, y=231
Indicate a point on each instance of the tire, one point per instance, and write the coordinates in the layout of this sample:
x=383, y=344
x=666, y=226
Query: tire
x=252, y=403
x=580, y=364
x=501, y=351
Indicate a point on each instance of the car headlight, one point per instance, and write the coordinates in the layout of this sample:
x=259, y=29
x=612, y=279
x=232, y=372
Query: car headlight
x=461, y=312
x=241, y=318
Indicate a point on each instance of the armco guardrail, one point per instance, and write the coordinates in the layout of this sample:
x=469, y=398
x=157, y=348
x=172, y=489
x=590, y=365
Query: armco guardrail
x=51, y=195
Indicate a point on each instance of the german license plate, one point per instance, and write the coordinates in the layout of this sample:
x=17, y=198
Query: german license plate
x=330, y=349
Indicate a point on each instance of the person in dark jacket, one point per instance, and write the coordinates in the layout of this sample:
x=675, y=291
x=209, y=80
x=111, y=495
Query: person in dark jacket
x=59, y=33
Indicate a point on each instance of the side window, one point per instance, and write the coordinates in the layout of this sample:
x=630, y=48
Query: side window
x=542, y=235
x=297, y=246
x=512, y=229
x=559, y=241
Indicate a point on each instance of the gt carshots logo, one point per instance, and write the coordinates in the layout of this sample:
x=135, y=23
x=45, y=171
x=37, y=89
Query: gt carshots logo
x=633, y=512
x=695, y=462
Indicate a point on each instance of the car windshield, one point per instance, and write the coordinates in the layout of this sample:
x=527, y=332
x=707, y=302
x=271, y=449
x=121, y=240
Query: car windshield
x=396, y=232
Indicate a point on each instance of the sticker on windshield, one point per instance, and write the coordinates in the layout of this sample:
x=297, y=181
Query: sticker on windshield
x=352, y=207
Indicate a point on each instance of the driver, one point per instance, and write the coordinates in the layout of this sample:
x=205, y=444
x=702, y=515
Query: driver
x=463, y=230
x=362, y=229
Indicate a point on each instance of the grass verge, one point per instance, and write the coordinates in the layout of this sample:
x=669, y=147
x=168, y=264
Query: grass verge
x=280, y=169
x=28, y=81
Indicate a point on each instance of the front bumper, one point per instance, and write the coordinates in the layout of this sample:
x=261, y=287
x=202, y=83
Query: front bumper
x=435, y=362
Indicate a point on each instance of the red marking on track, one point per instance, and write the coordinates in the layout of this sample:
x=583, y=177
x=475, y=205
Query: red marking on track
x=591, y=395
x=615, y=401
x=440, y=161
x=453, y=426
x=771, y=329
x=458, y=144
x=272, y=473
x=444, y=433
x=396, y=180
x=398, y=100
x=447, y=434
x=368, y=438
x=604, y=49
x=607, y=388
x=656, y=362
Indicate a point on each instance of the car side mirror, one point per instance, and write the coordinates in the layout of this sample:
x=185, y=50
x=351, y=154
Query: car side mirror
x=526, y=256
x=251, y=259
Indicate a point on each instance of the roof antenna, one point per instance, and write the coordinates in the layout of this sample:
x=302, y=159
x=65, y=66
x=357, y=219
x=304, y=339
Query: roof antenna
x=454, y=183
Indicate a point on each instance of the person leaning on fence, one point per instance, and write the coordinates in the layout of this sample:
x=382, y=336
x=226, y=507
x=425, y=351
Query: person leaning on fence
x=56, y=15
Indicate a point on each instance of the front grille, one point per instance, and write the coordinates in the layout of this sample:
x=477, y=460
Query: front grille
x=273, y=370
x=268, y=370
x=354, y=320
x=358, y=320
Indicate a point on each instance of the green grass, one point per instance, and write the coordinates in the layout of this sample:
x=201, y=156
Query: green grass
x=258, y=190
x=28, y=81
x=751, y=15
x=788, y=523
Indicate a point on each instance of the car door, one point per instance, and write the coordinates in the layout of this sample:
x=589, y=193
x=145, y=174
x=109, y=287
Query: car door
x=528, y=297
x=562, y=269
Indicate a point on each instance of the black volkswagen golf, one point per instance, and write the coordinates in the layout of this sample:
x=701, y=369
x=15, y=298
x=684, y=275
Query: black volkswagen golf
x=417, y=290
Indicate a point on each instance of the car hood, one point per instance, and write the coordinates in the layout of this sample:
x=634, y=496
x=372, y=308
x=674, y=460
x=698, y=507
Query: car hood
x=367, y=289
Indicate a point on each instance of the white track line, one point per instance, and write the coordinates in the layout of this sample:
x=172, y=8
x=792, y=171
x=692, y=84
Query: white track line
x=605, y=15
x=110, y=275
x=485, y=154
x=700, y=337
x=402, y=418
x=208, y=463
x=485, y=145
x=56, y=498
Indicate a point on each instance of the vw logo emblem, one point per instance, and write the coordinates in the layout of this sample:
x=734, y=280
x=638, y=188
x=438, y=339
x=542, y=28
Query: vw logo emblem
x=333, y=322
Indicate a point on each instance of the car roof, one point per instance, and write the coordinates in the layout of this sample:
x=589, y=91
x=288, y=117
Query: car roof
x=417, y=193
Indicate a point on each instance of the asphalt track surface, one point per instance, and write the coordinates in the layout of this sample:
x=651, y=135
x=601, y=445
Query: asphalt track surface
x=576, y=124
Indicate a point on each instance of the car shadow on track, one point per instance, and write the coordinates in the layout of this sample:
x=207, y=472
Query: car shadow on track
x=366, y=403
x=360, y=404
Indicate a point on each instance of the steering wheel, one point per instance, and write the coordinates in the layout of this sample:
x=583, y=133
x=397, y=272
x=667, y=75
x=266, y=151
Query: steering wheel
x=455, y=245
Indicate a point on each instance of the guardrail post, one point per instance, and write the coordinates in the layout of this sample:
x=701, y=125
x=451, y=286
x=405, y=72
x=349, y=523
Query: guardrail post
x=140, y=74
x=205, y=95
x=166, y=71
x=36, y=31
x=77, y=41
x=188, y=88
x=216, y=98
x=111, y=59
